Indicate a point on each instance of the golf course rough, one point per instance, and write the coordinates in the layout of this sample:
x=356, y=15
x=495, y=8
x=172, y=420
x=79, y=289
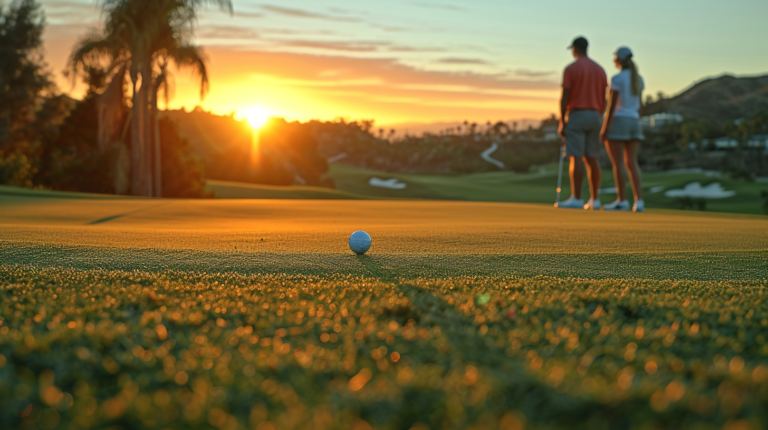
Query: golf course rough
x=97, y=349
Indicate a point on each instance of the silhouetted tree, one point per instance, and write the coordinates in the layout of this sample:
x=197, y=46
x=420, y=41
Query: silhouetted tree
x=22, y=81
x=139, y=39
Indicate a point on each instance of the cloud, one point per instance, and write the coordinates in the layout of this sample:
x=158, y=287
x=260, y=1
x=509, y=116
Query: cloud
x=248, y=14
x=383, y=77
x=462, y=61
x=226, y=32
x=333, y=46
x=60, y=12
x=439, y=6
x=389, y=28
x=298, y=13
x=345, y=46
x=525, y=73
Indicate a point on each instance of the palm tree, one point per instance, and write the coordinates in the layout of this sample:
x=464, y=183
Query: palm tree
x=183, y=57
x=139, y=39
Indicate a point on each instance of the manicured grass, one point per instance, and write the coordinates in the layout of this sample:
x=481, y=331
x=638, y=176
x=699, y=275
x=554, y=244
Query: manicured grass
x=230, y=314
x=237, y=190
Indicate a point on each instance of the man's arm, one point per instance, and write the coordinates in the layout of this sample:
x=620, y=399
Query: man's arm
x=564, y=100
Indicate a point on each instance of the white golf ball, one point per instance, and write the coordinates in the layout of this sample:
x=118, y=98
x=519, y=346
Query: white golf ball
x=360, y=242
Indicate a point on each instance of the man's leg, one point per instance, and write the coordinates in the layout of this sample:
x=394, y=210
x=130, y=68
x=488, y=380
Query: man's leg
x=577, y=177
x=594, y=176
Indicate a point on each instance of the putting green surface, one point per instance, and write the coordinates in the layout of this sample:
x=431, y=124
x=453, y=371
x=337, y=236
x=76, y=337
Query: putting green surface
x=411, y=238
x=234, y=314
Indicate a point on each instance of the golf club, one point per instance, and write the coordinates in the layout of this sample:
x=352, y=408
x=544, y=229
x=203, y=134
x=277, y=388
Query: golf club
x=560, y=176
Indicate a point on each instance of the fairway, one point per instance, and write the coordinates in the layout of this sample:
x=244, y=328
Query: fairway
x=503, y=186
x=230, y=314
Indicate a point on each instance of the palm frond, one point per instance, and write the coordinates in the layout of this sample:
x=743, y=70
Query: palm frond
x=92, y=51
x=191, y=58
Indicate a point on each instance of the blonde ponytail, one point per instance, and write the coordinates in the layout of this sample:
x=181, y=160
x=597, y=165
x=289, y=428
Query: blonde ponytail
x=636, y=87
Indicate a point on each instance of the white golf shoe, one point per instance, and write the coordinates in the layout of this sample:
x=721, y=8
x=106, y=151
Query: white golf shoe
x=639, y=206
x=617, y=206
x=592, y=205
x=571, y=203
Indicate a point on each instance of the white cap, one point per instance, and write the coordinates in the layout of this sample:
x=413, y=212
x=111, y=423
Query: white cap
x=623, y=53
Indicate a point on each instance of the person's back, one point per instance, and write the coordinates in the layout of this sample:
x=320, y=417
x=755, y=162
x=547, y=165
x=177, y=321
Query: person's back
x=581, y=108
x=629, y=102
x=587, y=82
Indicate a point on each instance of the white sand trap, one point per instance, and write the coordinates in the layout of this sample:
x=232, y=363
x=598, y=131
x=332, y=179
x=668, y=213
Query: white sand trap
x=695, y=190
x=611, y=190
x=657, y=189
x=487, y=156
x=392, y=184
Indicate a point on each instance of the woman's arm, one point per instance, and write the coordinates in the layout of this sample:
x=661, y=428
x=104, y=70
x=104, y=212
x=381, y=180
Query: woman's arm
x=612, y=103
x=640, y=111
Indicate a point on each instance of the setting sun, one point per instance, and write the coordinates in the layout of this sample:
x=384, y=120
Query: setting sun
x=256, y=117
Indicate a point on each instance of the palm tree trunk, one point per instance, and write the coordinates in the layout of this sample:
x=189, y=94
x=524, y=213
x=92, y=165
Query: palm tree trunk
x=136, y=141
x=146, y=132
x=158, y=165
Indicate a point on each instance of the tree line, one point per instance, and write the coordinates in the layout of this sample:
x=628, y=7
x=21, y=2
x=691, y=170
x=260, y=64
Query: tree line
x=114, y=139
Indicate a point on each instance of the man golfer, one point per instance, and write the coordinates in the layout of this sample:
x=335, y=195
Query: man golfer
x=581, y=109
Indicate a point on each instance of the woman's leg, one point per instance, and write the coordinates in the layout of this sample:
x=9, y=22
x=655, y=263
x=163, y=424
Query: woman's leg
x=616, y=153
x=631, y=149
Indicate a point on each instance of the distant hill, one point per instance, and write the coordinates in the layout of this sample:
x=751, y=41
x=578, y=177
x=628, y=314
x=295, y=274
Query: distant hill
x=721, y=99
x=221, y=142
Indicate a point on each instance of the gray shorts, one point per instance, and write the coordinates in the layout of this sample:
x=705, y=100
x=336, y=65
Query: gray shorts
x=582, y=133
x=625, y=128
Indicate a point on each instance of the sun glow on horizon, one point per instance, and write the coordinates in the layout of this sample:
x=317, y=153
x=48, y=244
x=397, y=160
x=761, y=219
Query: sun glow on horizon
x=257, y=116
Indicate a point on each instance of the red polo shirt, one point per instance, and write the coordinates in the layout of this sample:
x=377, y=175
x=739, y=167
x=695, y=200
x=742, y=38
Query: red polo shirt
x=587, y=82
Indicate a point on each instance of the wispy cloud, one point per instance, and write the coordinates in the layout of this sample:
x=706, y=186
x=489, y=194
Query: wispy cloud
x=333, y=46
x=298, y=13
x=335, y=71
x=459, y=61
x=525, y=73
x=227, y=32
x=389, y=28
x=248, y=14
x=71, y=12
x=439, y=6
x=350, y=46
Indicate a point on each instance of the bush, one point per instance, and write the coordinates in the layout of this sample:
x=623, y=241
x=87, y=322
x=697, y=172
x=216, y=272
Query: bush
x=16, y=170
x=182, y=173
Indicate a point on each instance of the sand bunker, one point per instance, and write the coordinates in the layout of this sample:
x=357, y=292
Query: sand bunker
x=695, y=190
x=392, y=184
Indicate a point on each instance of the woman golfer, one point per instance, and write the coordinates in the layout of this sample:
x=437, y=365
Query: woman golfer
x=622, y=132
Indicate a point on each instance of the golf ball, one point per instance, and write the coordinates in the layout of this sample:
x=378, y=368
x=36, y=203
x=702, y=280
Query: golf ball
x=360, y=242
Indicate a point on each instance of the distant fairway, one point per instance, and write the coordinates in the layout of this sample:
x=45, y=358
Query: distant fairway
x=129, y=313
x=352, y=183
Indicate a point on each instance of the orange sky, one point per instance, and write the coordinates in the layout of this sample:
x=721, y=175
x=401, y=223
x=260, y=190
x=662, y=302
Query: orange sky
x=406, y=61
x=305, y=86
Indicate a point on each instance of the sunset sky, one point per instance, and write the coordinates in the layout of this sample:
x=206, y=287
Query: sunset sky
x=427, y=61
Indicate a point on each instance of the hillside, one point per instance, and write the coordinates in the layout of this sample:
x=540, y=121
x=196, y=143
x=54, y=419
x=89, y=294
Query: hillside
x=723, y=98
x=220, y=142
